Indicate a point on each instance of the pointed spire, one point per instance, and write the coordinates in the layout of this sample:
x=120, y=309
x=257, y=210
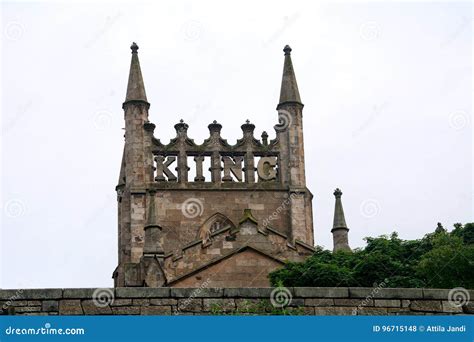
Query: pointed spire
x=339, y=219
x=136, y=87
x=340, y=230
x=289, y=88
x=121, y=180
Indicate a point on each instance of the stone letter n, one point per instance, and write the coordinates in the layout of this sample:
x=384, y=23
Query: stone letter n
x=162, y=167
x=234, y=166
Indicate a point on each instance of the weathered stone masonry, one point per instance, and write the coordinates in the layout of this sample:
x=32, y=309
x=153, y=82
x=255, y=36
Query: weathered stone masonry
x=246, y=211
x=242, y=301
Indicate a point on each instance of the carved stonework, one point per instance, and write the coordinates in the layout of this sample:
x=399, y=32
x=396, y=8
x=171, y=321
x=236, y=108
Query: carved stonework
x=266, y=168
x=210, y=212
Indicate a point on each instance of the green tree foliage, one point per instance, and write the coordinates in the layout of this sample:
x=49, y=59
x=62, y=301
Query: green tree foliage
x=439, y=259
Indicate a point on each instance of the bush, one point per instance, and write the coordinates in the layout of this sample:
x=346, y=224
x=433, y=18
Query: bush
x=439, y=259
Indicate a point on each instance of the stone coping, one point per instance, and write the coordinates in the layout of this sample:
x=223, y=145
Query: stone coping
x=165, y=292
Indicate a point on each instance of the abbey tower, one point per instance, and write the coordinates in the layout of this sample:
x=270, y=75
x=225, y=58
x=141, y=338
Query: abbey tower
x=245, y=212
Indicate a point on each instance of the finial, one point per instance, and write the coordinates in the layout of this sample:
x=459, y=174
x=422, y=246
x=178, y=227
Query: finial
x=181, y=127
x=265, y=138
x=337, y=192
x=134, y=47
x=287, y=50
x=248, y=127
x=215, y=127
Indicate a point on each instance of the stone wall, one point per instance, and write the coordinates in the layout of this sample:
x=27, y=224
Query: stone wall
x=240, y=301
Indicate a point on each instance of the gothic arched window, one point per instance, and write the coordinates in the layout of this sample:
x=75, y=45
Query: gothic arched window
x=213, y=224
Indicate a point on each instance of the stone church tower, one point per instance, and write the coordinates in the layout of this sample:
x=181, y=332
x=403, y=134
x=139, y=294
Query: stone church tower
x=245, y=212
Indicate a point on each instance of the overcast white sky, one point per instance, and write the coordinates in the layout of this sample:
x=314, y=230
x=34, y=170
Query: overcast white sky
x=387, y=90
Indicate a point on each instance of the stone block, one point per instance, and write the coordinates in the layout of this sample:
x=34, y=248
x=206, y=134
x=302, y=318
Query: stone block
x=197, y=292
x=163, y=301
x=50, y=305
x=142, y=292
x=388, y=303
x=353, y=302
x=126, y=310
x=190, y=304
x=18, y=303
x=90, y=308
x=34, y=303
x=33, y=294
x=305, y=310
x=70, y=307
x=333, y=311
x=403, y=312
x=121, y=302
x=319, y=302
x=296, y=302
x=81, y=293
x=435, y=293
x=155, y=310
x=392, y=293
x=28, y=309
x=426, y=305
x=450, y=307
x=369, y=311
x=141, y=302
x=468, y=308
x=219, y=304
x=249, y=292
x=321, y=292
